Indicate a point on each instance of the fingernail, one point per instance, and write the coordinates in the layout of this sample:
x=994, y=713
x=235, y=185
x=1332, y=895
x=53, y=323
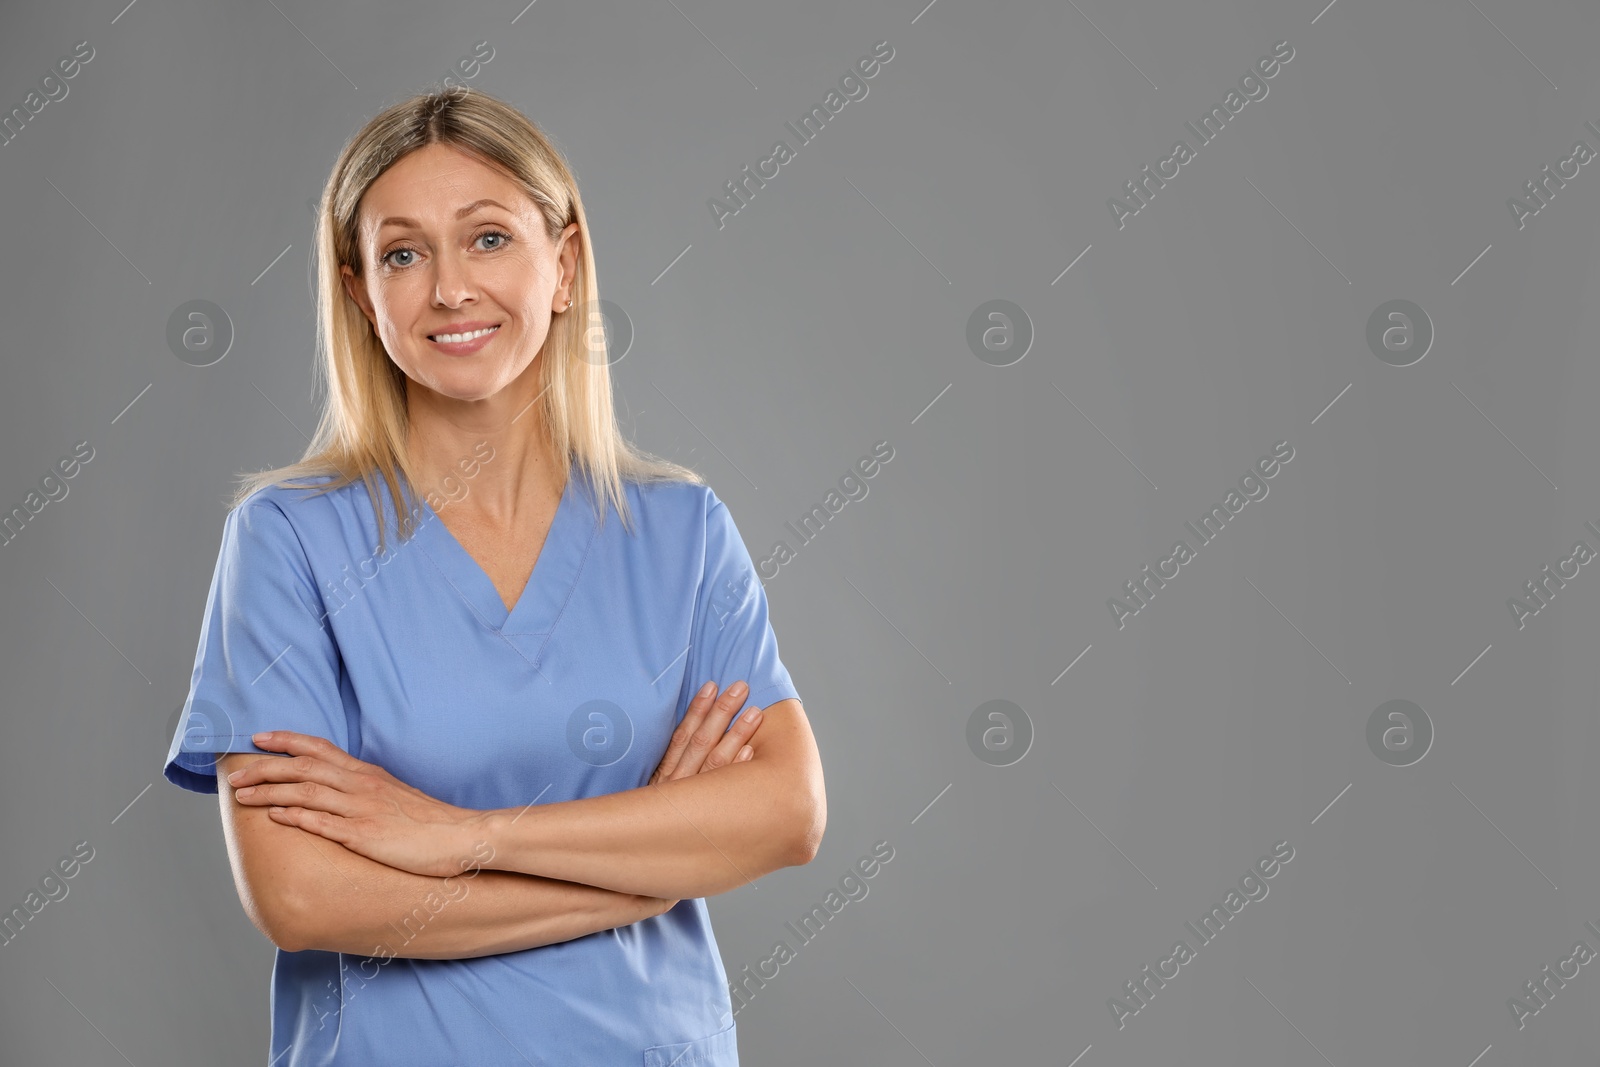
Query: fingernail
x=234, y=777
x=263, y=736
x=739, y=689
x=246, y=791
x=745, y=753
x=706, y=690
x=753, y=716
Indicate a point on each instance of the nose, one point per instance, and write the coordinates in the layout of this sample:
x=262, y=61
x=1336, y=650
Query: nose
x=451, y=283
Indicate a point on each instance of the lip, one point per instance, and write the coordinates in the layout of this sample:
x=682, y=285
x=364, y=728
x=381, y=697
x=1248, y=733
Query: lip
x=463, y=348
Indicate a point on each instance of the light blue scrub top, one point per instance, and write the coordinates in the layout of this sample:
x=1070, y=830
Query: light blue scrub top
x=410, y=660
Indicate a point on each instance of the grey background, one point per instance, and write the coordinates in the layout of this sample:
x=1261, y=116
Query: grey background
x=828, y=315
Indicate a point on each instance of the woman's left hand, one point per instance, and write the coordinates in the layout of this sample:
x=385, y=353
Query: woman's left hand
x=360, y=805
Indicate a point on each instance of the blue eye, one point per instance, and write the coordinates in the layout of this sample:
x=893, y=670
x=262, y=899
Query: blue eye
x=501, y=234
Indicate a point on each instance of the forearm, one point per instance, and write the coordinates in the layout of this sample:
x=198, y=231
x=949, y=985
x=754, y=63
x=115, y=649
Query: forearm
x=348, y=903
x=685, y=837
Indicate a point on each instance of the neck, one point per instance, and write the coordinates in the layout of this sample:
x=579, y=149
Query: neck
x=496, y=471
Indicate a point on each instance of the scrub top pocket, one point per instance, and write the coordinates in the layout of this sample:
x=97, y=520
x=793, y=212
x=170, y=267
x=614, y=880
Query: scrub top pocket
x=719, y=1050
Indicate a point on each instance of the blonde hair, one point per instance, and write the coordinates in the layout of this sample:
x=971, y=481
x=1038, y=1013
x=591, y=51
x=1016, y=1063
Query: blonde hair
x=362, y=432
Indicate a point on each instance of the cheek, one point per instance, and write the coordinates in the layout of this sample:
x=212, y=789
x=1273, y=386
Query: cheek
x=398, y=306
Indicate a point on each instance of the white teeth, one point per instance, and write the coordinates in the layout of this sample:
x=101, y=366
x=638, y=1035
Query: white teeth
x=457, y=338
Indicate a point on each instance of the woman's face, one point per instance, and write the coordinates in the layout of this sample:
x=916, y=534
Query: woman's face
x=439, y=260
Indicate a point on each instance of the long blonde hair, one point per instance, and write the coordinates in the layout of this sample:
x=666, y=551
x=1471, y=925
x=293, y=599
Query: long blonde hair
x=362, y=431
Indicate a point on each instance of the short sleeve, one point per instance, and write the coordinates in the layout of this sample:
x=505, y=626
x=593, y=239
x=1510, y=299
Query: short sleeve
x=732, y=638
x=266, y=660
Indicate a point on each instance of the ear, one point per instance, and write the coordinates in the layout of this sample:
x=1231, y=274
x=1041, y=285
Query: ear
x=570, y=242
x=356, y=290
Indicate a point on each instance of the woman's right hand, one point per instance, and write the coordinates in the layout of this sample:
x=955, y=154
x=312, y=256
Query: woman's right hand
x=703, y=741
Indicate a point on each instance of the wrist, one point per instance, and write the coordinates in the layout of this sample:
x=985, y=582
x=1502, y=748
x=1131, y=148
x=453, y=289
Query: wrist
x=480, y=841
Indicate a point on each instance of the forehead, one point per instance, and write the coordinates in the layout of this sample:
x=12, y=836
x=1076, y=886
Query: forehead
x=437, y=185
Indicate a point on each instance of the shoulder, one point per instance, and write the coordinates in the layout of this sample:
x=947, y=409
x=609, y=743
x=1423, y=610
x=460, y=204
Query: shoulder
x=295, y=500
x=672, y=501
x=683, y=519
x=304, y=513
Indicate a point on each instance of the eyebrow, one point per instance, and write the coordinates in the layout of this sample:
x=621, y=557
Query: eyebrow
x=461, y=214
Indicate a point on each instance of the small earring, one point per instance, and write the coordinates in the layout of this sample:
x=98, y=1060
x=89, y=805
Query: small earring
x=569, y=303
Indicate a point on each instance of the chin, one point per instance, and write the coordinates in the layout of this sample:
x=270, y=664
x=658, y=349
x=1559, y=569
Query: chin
x=464, y=384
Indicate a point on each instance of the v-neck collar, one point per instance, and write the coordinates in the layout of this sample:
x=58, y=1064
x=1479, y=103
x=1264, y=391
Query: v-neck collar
x=555, y=572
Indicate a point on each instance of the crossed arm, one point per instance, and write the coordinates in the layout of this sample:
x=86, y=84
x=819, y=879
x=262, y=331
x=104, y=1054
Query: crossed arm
x=355, y=861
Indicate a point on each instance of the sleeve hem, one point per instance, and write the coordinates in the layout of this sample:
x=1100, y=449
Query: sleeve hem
x=771, y=694
x=179, y=772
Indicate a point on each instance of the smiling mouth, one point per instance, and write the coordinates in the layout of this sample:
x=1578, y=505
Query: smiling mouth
x=471, y=335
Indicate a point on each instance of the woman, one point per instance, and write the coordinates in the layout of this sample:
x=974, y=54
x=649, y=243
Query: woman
x=470, y=854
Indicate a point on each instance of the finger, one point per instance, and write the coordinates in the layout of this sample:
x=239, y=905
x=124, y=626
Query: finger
x=732, y=743
x=710, y=731
x=298, y=744
x=320, y=823
x=698, y=707
x=311, y=795
x=293, y=769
